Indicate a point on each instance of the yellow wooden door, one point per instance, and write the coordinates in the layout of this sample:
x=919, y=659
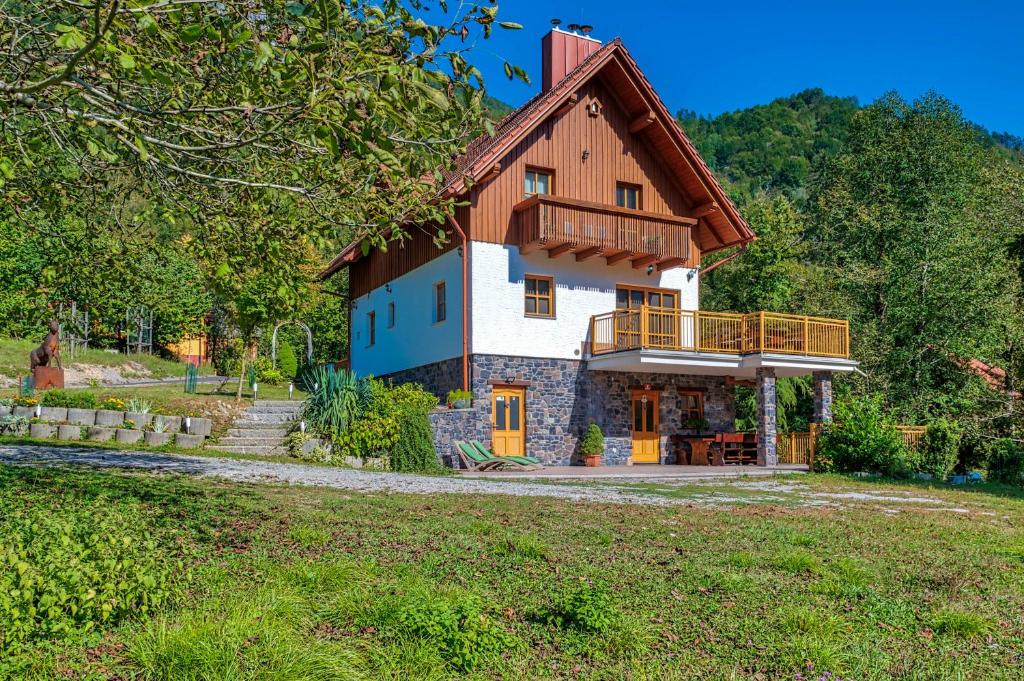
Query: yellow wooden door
x=644, y=413
x=508, y=421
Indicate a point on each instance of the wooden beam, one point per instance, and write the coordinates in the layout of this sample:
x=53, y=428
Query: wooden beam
x=561, y=249
x=529, y=248
x=569, y=103
x=704, y=209
x=618, y=257
x=669, y=263
x=714, y=232
x=642, y=121
x=587, y=253
x=643, y=261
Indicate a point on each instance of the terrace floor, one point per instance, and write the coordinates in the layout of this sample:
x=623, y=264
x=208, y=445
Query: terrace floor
x=643, y=472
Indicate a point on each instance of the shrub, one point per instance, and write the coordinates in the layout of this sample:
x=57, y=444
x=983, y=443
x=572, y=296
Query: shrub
x=112, y=404
x=70, y=399
x=414, y=449
x=1006, y=463
x=460, y=630
x=138, y=405
x=939, y=448
x=336, y=399
x=861, y=439
x=459, y=395
x=63, y=573
x=287, y=362
x=228, y=359
x=593, y=440
x=23, y=401
x=582, y=605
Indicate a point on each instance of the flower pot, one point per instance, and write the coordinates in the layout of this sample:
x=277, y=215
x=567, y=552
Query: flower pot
x=53, y=413
x=108, y=418
x=461, y=404
x=42, y=431
x=101, y=434
x=82, y=417
x=69, y=432
x=592, y=460
x=27, y=412
x=128, y=437
x=158, y=439
x=186, y=441
x=138, y=418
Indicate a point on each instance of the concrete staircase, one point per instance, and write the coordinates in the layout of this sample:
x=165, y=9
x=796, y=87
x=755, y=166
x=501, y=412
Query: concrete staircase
x=262, y=429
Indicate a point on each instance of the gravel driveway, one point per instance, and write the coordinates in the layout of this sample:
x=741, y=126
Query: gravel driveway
x=339, y=478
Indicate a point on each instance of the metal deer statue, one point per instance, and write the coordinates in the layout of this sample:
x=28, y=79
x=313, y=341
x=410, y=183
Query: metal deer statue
x=50, y=349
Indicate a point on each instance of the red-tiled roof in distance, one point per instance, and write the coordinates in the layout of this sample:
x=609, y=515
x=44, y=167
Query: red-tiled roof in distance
x=723, y=228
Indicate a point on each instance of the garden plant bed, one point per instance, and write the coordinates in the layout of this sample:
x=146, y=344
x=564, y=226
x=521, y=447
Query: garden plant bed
x=299, y=580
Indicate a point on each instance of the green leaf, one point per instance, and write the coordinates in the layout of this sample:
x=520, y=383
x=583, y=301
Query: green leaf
x=223, y=271
x=71, y=40
x=126, y=61
x=511, y=25
x=142, y=151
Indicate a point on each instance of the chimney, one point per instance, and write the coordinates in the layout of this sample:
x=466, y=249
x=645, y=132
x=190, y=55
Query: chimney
x=561, y=52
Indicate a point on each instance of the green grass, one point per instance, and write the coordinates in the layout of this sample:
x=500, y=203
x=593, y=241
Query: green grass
x=297, y=583
x=14, y=360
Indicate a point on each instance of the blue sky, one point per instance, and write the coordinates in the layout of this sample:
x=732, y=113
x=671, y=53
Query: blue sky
x=720, y=56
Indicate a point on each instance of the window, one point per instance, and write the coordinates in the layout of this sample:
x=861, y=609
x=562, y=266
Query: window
x=540, y=296
x=627, y=196
x=371, y=328
x=440, y=306
x=391, y=315
x=691, y=407
x=536, y=182
x=633, y=297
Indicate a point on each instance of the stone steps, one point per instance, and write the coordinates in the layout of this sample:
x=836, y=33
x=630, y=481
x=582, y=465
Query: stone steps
x=262, y=429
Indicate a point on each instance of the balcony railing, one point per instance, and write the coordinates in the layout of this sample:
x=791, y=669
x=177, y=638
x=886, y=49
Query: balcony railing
x=563, y=225
x=661, y=328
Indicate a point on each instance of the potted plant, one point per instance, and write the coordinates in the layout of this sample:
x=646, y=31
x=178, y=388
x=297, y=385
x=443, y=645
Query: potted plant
x=158, y=434
x=459, y=399
x=592, y=446
x=697, y=425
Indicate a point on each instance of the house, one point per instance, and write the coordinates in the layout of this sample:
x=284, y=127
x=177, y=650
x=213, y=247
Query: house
x=568, y=290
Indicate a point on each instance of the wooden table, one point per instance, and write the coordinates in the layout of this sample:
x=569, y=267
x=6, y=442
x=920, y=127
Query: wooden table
x=698, y=449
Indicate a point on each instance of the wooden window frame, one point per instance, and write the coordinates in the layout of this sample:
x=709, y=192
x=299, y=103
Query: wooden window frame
x=650, y=289
x=537, y=297
x=638, y=188
x=371, y=328
x=440, y=302
x=699, y=394
x=540, y=171
x=391, y=315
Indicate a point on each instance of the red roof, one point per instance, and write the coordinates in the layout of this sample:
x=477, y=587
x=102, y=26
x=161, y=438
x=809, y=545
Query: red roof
x=722, y=228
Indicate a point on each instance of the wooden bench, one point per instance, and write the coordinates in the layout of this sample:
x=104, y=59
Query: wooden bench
x=735, y=449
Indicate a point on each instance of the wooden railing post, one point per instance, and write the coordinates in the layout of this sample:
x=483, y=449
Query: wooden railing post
x=760, y=323
x=643, y=326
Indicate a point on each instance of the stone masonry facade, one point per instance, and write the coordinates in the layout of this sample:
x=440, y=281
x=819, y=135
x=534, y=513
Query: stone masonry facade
x=562, y=398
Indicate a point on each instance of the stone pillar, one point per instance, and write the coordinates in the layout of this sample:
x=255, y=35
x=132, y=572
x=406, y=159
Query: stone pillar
x=767, y=443
x=822, y=396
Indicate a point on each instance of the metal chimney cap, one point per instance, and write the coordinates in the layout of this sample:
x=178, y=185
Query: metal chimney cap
x=556, y=22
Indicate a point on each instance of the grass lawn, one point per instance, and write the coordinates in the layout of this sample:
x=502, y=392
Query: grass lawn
x=14, y=359
x=271, y=582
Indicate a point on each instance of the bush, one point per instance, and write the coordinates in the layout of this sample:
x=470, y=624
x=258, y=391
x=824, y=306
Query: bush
x=63, y=573
x=582, y=605
x=861, y=439
x=287, y=362
x=1006, y=463
x=228, y=359
x=593, y=441
x=414, y=450
x=462, y=633
x=336, y=400
x=939, y=449
x=70, y=399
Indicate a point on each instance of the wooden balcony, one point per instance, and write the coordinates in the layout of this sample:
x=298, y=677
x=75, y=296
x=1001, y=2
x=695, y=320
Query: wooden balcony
x=588, y=230
x=654, y=328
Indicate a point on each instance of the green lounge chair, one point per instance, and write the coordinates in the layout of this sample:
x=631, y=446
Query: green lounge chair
x=475, y=460
x=525, y=460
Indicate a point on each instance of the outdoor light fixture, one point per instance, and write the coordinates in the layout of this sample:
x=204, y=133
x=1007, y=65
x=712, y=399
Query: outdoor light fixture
x=39, y=410
x=188, y=425
x=510, y=378
x=387, y=287
x=586, y=154
x=302, y=426
x=460, y=251
x=254, y=389
x=650, y=270
x=291, y=387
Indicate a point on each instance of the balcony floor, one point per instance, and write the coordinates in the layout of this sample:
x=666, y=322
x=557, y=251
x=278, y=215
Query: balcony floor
x=715, y=364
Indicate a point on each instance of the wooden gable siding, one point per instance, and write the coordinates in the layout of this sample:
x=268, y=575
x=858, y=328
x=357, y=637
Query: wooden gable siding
x=616, y=155
x=380, y=267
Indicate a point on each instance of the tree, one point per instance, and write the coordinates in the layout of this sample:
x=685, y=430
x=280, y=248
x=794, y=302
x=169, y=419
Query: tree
x=353, y=109
x=916, y=244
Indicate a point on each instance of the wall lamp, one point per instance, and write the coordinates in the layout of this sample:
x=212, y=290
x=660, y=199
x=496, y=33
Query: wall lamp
x=650, y=270
x=387, y=287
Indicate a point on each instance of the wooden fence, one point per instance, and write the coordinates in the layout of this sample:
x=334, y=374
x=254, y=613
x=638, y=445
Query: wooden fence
x=799, y=448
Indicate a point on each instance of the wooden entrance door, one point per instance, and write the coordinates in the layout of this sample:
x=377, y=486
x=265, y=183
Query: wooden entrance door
x=644, y=414
x=508, y=421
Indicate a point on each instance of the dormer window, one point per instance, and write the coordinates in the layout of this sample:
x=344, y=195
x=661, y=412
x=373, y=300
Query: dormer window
x=628, y=196
x=536, y=182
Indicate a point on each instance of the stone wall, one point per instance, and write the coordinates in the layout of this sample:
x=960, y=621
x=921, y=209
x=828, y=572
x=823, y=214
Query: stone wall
x=562, y=397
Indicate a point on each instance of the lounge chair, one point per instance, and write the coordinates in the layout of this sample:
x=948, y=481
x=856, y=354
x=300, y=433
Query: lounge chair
x=475, y=460
x=525, y=460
